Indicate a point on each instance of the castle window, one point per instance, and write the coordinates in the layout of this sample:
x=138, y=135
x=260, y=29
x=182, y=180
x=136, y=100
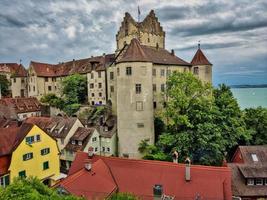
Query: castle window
x=93, y=94
x=259, y=181
x=14, y=80
x=99, y=85
x=100, y=94
x=95, y=149
x=154, y=104
x=92, y=75
x=157, y=45
x=108, y=149
x=100, y=102
x=46, y=79
x=207, y=69
x=148, y=40
x=103, y=149
x=168, y=72
x=53, y=79
x=111, y=88
x=140, y=125
x=93, y=103
x=154, y=72
x=139, y=106
x=22, y=80
x=250, y=181
x=154, y=87
x=138, y=88
x=162, y=72
x=99, y=74
x=162, y=87
x=91, y=85
x=128, y=71
x=49, y=88
x=111, y=75
x=34, y=88
x=196, y=70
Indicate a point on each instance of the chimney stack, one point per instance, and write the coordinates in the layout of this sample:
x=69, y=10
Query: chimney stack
x=90, y=152
x=88, y=164
x=175, y=156
x=157, y=192
x=172, y=52
x=187, y=169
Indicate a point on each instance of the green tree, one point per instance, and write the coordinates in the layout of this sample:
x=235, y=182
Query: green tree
x=122, y=196
x=4, y=84
x=256, y=123
x=31, y=189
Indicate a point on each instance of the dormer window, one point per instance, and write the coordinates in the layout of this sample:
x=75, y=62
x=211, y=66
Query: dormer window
x=254, y=157
x=250, y=181
x=80, y=143
x=259, y=181
x=73, y=142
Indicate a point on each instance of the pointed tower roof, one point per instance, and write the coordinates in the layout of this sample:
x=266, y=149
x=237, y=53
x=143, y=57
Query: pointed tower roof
x=200, y=58
x=135, y=53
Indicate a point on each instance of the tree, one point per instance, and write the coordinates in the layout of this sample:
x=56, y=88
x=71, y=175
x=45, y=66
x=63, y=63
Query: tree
x=74, y=93
x=256, y=123
x=122, y=196
x=31, y=189
x=4, y=86
x=200, y=122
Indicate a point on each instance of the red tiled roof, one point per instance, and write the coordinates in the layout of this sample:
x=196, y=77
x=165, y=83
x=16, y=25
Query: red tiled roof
x=141, y=53
x=139, y=177
x=200, y=59
x=81, y=66
x=17, y=70
x=22, y=104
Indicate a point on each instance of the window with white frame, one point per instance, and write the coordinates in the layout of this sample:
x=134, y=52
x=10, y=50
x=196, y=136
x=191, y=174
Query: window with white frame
x=162, y=72
x=250, y=181
x=94, y=139
x=96, y=149
x=254, y=157
x=80, y=143
x=108, y=149
x=4, y=180
x=259, y=181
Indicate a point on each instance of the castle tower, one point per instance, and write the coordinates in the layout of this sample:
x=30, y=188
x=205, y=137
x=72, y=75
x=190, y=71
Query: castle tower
x=201, y=66
x=149, y=31
x=134, y=100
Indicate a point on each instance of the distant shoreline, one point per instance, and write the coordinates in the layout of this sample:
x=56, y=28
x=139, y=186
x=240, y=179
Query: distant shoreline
x=249, y=86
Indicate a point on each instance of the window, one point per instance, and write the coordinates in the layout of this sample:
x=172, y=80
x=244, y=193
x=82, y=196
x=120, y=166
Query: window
x=118, y=71
x=73, y=142
x=37, y=138
x=32, y=139
x=111, y=75
x=34, y=88
x=94, y=139
x=27, y=156
x=92, y=75
x=111, y=88
x=91, y=85
x=45, y=151
x=100, y=102
x=125, y=155
x=103, y=149
x=96, y=149
x=162, y=72
x=22, y=174
x=196, y=71
x=154, y=87
x=46, y=79
x=53, y=79
x=99, y=85
x=138, y=88
x=148, y=40
x=207, y=70
x=45, y=165
x=29, y=88
x=162, y=87
x=99, y=74
x=14, y=80
x=93, y=103
x=100, y=94
x=4, y=180
x=259, y=181
x=49, y=88
x=254, y=157
x=154, y=72
x=140, y=125
x=250, y=181
x=93, y=94
x=154, y=104
x=168, y=72
x=139, y=106
x=108, y=149
x=128, y=71
x=80, y=143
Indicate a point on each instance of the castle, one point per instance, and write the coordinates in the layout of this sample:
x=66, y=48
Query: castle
x=132, y=79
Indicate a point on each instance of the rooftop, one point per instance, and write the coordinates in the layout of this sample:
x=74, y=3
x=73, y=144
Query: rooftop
x=16, y=70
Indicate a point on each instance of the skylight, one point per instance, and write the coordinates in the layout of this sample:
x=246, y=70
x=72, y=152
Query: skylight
x=254, y=157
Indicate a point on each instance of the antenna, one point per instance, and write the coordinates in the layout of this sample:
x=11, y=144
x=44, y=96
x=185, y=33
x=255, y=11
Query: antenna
x=138, y=14
x=198, y=44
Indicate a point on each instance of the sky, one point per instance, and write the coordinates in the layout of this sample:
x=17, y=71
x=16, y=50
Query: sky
x=232, y=34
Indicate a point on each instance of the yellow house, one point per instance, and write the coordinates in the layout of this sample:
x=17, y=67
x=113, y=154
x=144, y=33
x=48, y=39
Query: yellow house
x=28, y=151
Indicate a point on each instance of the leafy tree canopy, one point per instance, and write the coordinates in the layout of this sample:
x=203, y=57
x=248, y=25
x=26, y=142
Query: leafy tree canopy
x=31, y=189
x=122, y=196
x=201, y=122
x=4, y=84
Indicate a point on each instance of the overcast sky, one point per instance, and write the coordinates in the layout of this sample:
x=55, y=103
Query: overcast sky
x=233, y=34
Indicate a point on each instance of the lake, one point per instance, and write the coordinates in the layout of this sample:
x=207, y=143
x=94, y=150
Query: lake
x=250, y=97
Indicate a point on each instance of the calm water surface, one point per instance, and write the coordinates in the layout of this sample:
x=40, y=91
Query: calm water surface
x=250, y=97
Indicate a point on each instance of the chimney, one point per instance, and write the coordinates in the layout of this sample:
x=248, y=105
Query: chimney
x=187, y=169
x=88, y=164
x=157, y=192
x=90, y=152
x=73, y=63
x=172, y=52
x=175, y=157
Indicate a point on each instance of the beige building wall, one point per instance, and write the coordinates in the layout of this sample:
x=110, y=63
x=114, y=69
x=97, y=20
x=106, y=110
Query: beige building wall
x=96, y=81
x=203, y=72
x=112, y=86
x=134, y=111
x=19, y=86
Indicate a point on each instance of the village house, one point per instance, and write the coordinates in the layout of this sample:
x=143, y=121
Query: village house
x=19, y=108
x=249, y=172
x=16, y=74
x=27, y=150
x=98, y=177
